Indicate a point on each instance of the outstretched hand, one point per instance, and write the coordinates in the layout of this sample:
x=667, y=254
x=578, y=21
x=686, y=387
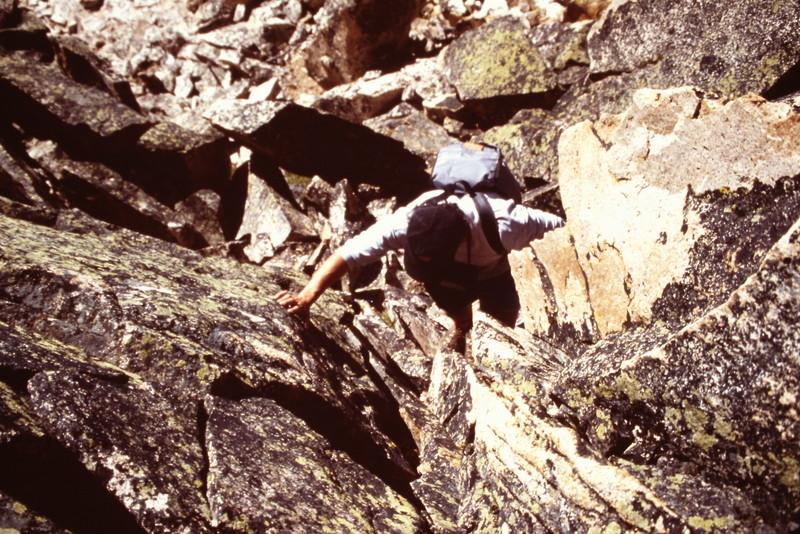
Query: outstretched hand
x=299, y=304
x=295, y=304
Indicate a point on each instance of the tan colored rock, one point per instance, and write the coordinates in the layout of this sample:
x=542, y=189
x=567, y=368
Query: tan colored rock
x=561, y=299
x=626, y=185
x=592, y=8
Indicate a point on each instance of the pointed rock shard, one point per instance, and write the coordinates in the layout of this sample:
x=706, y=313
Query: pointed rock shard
x=271, y=221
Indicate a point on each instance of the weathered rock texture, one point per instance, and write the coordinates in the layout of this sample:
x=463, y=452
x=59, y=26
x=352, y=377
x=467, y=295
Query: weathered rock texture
x=166, y=167
x=667, y=213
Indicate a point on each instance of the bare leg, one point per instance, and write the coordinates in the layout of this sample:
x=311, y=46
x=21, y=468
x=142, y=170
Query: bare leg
x=455, y=338
x=462, y=318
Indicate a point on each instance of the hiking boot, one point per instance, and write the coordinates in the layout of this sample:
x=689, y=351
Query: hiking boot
x=454, y=340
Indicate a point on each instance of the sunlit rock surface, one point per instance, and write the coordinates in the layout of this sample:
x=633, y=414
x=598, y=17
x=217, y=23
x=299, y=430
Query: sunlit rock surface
x=166, y=167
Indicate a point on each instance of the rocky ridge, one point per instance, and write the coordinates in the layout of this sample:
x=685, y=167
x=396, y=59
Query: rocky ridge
x=166, y=167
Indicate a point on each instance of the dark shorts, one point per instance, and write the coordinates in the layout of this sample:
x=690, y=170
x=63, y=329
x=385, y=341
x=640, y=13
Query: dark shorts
x=497, y=295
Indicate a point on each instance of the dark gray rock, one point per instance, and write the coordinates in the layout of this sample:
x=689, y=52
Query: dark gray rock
x=23, y=31
x=110, y=351
x=153, y=472
x=17, y=210
x=16, y=517
x=80, y=63
x=690, y=43
x=9, y=12
x=401, y=357
x=46, y=103
x=418, y=134
x=270, y=470
x=190, y=160
x=21, y=181
x=307, y=142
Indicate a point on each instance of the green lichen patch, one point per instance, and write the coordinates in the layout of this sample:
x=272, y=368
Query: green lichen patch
x=497, y=59
x=268, y=466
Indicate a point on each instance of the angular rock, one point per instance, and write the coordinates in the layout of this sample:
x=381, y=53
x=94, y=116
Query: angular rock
x=347, y=215
x=528, y=143
x=318, y=195
x=676, y=413
x=78, y=62
x=440, y=469
x=498, y=59
x=47, y=104
x=354, y=37
x=204, y=212
x=526, y=469
x=307, y=142
x=419, y=135
x=686, y=43
x=723, y=387
x=374, y=94
x=270, y=470
x=107, y=196
x=418, y=315
x=16, y=210
x=555, y=299
x=115, y=430
x=449, y=397
x=30, y=461
x=22, y=182
x=364, y=99
x=671, y=164
x=563, y=48
x=271, y=221
x=9, y=11
x=26, y=33
x=189, y=160
x=16, y=517
x=403, y=360
x=107, y=298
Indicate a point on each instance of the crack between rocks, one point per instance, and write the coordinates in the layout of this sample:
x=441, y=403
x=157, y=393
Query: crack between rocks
x=329, y=422
x=75, y=498
x=205, y=469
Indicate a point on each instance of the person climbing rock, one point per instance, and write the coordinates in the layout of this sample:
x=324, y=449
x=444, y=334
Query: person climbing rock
x=447, y=243
x=427, y=237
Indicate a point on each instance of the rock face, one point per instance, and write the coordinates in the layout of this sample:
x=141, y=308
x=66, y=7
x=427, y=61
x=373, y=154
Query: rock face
x=167, y=167
x=705, y=211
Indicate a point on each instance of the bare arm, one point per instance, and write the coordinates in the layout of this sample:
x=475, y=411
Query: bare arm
x=331, y=271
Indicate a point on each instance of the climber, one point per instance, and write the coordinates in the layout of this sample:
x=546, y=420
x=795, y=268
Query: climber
x=446, y=248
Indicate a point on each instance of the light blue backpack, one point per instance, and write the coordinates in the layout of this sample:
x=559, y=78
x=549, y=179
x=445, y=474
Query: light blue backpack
x=472, y=169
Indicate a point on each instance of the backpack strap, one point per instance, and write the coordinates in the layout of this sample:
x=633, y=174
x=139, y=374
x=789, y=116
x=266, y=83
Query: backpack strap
x=488, y=222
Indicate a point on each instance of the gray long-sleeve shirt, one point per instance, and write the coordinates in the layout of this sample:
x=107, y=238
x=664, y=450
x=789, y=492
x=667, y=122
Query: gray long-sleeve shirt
x=518, y=226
